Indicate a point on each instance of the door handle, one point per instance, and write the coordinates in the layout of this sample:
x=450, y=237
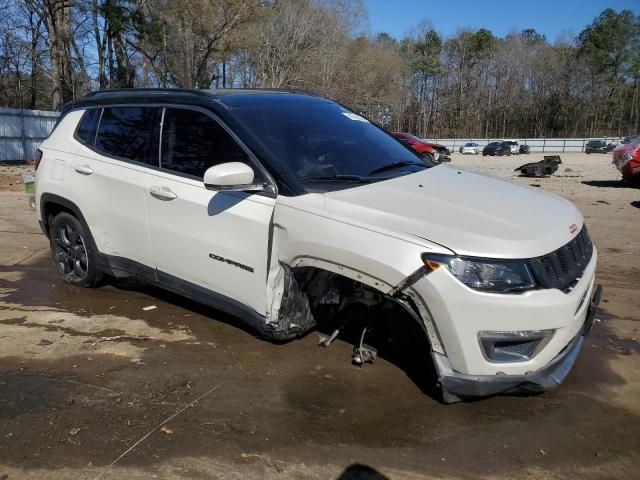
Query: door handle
x=162, y=193
x=83, y=169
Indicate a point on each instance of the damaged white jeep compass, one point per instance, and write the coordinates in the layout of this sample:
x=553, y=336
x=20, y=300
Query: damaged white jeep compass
x=277, y=206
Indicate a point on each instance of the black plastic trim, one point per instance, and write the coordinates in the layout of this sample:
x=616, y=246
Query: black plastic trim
x=547, y=378
x=52, y=198
x=117, y=265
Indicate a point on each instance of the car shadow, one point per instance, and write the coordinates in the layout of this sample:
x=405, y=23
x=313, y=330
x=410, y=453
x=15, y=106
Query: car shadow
x=141, y=286
x=608, y=184
x=223, y=201
x=397, y=337
x=361, y=472
x=635, y=204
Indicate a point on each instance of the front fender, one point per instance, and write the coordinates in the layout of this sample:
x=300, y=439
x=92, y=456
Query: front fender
x=377, y=258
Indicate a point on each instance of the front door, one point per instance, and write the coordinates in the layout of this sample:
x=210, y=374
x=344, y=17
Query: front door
x=215, y=240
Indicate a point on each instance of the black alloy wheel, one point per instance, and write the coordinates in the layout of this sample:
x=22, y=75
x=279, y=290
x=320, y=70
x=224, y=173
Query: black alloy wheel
x=73, y=251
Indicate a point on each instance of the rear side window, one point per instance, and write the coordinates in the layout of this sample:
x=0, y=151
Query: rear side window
x=126, y=132
x=192, y=142
x=88, y=126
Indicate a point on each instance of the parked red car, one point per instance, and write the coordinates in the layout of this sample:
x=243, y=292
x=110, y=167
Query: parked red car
x=432, y=151
x=626, y=157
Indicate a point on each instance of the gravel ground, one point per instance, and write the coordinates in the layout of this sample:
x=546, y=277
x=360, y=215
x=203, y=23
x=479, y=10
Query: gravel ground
x=73, y=398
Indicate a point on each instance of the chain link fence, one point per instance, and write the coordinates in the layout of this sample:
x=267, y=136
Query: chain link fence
x=551, y=145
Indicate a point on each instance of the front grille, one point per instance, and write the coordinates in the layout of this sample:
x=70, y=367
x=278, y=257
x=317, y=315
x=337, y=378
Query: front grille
x=563, y=268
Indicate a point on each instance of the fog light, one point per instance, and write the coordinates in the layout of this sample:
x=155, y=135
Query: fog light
x=513, y=346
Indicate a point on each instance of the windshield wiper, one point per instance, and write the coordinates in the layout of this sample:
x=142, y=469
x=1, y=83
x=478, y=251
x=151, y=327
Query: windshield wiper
x=337, y=178
x=394, y=165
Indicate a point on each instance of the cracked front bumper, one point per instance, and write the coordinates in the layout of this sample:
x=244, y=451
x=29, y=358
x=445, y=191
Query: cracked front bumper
x=547, y=378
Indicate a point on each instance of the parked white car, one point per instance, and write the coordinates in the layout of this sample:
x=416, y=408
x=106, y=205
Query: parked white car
x=272, y=206
x=514, y=145
x=471, y=148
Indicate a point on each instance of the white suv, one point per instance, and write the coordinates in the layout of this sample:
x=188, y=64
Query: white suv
x=274, y=206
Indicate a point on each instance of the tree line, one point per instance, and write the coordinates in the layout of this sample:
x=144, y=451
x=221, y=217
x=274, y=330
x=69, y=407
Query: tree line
x=471, y=84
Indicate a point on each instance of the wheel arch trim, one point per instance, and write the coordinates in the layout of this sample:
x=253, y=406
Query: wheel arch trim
x=47, y=199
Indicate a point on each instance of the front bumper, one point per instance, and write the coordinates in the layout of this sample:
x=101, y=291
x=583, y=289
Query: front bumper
x=460, y=385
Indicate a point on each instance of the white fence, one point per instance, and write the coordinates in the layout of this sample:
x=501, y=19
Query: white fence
x=21, y=131
x=536, y=144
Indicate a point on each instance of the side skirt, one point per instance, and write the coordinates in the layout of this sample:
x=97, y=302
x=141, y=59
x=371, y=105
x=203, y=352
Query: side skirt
x=120, y=267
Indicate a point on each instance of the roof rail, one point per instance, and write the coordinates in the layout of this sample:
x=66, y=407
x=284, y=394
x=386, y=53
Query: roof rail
x=144, y=90
x=264, y=89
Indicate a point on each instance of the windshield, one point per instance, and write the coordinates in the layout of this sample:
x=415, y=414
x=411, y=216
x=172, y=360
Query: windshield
x=323, y=142
x=495, y=144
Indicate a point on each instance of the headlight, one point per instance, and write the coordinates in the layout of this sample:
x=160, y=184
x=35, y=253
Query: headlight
x=500, y=276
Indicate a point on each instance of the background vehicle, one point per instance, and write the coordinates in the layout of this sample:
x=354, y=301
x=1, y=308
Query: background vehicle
x=629, y=139
x=444, y=154
x=513, y=144
x=431, y=151
x=626, y=158
x=595, y=146
x=525, y=148
x=470, y=148
x=497, y=148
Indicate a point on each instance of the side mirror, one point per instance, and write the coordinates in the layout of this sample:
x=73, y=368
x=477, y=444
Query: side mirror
x=230, y=176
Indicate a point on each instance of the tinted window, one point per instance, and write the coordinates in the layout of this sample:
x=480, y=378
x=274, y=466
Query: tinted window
x=88, y=126
x=192, y=142
x=126, y=132
x=321, y=141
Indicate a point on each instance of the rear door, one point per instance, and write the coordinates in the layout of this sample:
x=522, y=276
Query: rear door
x=215, y=240
x=115, y=152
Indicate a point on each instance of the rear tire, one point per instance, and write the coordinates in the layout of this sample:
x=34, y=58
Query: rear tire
x=73, y=251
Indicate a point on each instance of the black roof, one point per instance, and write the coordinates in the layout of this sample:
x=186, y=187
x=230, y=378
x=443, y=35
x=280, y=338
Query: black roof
x=227, y=96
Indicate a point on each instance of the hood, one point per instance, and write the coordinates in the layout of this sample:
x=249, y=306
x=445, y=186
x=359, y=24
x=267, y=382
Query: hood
x=468, y=213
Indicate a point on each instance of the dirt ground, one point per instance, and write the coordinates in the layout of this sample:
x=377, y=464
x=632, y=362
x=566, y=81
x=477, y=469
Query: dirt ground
x=71, y=404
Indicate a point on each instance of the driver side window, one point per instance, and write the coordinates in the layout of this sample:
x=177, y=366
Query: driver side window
x=192, y=142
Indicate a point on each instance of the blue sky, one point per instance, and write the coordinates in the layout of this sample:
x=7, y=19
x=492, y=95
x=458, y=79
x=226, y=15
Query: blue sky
x=550, y=17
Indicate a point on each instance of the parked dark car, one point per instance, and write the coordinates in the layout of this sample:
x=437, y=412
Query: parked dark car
x=629, y=139
x=595, y=146
x=525, y=148
x=497, y=148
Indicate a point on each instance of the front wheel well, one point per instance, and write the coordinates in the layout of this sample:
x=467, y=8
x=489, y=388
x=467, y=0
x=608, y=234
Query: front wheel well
x=330, y=292
x=392, y=324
